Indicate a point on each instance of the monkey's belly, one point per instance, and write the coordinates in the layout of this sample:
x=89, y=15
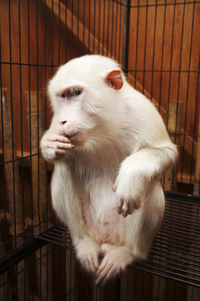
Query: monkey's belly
x=104, y=226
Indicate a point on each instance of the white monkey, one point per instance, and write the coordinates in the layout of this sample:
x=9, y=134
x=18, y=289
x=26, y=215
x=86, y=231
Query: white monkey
x=110, y=147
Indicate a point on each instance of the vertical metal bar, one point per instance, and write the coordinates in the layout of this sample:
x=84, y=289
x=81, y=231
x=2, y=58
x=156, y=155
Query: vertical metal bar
x=188, y=84
x=38, y=123
x=83, y=22
x=116, y=34
x=59, y=33
x=171, y=56
x=45, y=125
x=198, y=134
x=52, y=33
x=179, y=71
x=45, y=109
x=126, y=29
x=65, y=30
x=94, y=27
x=179, y=75
x=89, y=26
x=72, y=30
x=12, y=125
x=52, y=29
x=21, y=115
x=77, y=35
x=162, y=56
x=136, y=43
x=108, y=27
x=196, y=112
x=70, y=268
x=170, y=68
x=118, y=288
x=99, y=25
x=154, y=42
x=104, y=14
x=145, y=46
x=112, y=28
x=25, y=277
x=119, y=46
x=47, y=274
x=31, y=278
x=29, y=99
x=2, y=127
x=8, y=287
x=40, y=274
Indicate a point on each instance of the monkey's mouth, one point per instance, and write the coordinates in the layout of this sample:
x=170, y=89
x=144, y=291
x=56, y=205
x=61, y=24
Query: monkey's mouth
x=72, y=135
x=77, y=138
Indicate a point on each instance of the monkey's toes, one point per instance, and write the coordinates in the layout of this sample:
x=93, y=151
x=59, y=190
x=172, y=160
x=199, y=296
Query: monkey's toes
x=90, y=263
x=104, y=272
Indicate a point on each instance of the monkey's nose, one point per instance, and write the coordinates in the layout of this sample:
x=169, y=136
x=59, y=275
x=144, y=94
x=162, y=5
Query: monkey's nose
x=63, y=122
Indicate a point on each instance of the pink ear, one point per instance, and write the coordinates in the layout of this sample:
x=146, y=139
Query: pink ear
x=114, y=79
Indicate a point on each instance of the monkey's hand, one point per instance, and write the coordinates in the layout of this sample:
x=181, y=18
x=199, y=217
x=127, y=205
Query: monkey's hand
x=55, y=146
x=88, y=254
x=129, y=187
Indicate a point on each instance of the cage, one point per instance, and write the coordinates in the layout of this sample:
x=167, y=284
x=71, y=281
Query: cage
x=157, y=44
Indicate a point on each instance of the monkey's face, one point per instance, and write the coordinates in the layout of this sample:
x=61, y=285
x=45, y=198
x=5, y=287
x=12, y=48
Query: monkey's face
x=72, y=117
x=81, y=94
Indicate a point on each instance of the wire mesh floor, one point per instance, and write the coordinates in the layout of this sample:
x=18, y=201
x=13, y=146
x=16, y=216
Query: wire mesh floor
x=175, y=253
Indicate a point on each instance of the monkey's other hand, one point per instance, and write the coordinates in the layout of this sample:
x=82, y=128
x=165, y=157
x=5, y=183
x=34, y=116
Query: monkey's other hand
x=54, y=146
x=88, y=254
x=127, y=207
x=129, y=188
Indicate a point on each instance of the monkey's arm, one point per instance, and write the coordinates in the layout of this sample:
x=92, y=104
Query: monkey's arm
x=138, y=170
x=53, y=144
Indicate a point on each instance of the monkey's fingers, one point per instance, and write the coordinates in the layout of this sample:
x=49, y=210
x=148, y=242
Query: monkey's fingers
x=119, y=210
x=64, y=146
x=60, y=152
x=59, y=138
x=110, y=274
x=56, y=146
x=90, y=264
x=96, y=262
x=93, y=263
x=128, y=207
x=124, y=208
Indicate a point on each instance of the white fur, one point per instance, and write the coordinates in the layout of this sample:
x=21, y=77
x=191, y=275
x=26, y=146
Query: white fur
x=106, y=181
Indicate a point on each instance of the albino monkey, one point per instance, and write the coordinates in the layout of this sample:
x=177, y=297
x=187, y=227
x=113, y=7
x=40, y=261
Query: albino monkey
x=109, y=147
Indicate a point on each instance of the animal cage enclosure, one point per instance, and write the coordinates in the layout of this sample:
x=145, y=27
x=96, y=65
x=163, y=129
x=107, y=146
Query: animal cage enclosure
x=157, y=43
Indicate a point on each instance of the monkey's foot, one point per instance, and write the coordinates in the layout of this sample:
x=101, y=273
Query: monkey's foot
x=88, y=254
x=115, y=260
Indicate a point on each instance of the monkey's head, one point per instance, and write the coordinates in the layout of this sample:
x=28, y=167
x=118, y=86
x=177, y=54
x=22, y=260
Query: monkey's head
x=85, y=95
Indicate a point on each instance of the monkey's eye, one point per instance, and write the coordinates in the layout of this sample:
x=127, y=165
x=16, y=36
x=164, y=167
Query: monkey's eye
x=62, y=95
x=72, y=92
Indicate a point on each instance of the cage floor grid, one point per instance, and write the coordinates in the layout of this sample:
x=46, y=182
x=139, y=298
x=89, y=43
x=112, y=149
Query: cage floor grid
x=175, y=253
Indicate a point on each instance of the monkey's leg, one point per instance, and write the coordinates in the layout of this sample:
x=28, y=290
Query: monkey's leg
x=115, y=260
x=145, y=222
x=142, y=226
